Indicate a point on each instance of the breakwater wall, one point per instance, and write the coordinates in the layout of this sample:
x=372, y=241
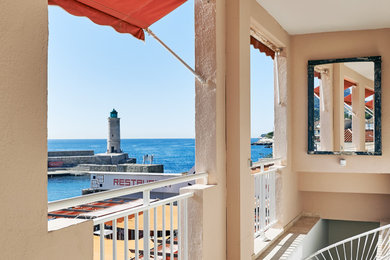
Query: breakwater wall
x=71, y=153
x=71, y=161
x=126, y=167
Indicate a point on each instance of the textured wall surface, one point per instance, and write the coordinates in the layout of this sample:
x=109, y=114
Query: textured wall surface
x=23, y=130
x=210, y=142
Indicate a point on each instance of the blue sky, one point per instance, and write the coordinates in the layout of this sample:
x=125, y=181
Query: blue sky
x=93, y=69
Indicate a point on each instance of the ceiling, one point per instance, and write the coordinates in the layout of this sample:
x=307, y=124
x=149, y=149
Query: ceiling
x=311, y=16
x=363, y=68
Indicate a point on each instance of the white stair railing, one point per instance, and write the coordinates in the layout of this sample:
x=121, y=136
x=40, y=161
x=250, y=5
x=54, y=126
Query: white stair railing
x=374, y=244
x=265, y=195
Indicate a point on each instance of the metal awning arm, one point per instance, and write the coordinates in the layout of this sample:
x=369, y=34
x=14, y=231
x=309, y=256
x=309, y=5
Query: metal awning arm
x=197, y=76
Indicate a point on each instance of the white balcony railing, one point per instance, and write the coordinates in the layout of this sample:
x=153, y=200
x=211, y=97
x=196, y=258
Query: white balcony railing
x=374, y=244
x=155, y=230
x=264, y=172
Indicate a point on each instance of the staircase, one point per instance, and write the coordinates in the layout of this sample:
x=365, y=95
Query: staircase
x=374, y=244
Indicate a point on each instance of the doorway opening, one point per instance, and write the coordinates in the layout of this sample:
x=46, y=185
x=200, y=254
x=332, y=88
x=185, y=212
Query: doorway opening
x=262, y=100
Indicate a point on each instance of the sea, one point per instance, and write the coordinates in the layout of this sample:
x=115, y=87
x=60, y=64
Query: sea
x=177, y=155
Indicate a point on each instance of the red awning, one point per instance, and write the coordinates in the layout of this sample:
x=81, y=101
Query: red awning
x=130, y=16
x=348, y=84
x=348, y=99
x=370, y=104
x=317, y=74
x=369, y=92
x=317, y=90
x=262, y=47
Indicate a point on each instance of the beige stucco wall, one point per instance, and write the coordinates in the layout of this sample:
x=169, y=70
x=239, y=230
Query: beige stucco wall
x=358, y=191
x=347, y=206
x=23, y=135
x=369, y=183
x=210, y=138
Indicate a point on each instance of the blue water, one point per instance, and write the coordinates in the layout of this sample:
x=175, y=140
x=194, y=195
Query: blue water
x=62, y=187
x=177, y=155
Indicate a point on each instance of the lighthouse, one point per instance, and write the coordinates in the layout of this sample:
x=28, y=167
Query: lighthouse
x=114, y=136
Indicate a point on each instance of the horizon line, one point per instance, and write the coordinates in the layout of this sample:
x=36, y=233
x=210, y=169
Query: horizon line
x=128, y=138
x=121, y=138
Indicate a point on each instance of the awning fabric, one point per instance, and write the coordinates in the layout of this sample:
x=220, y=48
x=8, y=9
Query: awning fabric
x=130, y=16
x=370, y=104
x=317, y=74
x=348, y=84
x=368, y=92
x=348, y=99
x=317, y=90
x=262, y=47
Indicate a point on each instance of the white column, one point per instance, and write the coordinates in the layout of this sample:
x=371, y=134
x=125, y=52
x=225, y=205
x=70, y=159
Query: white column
x=281, y=121
x=358, y=118
x=338, y=106
x=280, y=110
x=326, y=111
x=240, y=192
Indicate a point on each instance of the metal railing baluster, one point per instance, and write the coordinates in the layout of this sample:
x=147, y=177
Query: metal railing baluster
x=126, y=237
x=102, y=241
x=351, y=249
x=179, y=256
x=330, y=254
x=345, y=254
x=136, y=237
x=357, y=249
x=114, y=237
x=164, y=233
x=146, y=197
x=372, y=241
x=337, y=252
x=364, y=248
x=171, y=235
x=155, y=250
x=185, y=230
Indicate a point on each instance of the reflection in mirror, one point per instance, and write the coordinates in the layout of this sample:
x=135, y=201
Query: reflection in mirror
x=343, y=107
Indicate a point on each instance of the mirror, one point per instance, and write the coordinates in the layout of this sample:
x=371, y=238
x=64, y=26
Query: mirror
x=344, y=106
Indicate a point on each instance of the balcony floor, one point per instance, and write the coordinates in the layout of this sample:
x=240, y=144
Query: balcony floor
x=286, y=244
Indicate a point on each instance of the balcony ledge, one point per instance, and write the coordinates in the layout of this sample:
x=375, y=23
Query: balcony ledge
x=60, y=223
x=261, y=243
